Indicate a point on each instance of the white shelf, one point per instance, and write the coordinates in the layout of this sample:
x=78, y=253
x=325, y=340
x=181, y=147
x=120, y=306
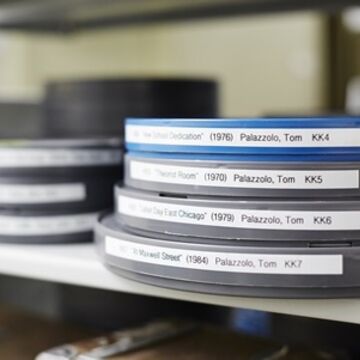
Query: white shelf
x=78, y=265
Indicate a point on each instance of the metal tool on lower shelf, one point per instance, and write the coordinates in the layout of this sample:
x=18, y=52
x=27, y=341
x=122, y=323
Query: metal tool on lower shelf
x=181, y=340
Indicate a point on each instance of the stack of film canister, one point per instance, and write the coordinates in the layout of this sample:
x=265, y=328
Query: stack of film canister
x=52, y=190
x=264, y=207
x=97, y=107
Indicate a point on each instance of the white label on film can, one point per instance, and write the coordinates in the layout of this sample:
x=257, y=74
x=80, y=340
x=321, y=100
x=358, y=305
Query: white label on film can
x=46, y=225
x=245, y=137
x=225, y=261
x=41, y=194
x=244, y=178
x=240, y=218
x=15, y=158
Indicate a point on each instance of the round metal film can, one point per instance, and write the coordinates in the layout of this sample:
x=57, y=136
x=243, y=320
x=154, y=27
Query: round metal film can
x=238, y=218
x=42, y=227
x=252, y=136
x=217, y=175
x=261, y=271
x=99, y=106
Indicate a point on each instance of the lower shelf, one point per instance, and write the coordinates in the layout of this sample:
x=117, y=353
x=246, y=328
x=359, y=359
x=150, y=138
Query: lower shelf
x=78, y=265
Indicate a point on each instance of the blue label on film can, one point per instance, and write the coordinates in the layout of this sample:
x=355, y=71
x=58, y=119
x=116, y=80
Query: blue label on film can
x=298, y=136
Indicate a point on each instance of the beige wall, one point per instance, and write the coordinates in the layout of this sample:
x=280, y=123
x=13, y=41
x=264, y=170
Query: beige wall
x=265, y=64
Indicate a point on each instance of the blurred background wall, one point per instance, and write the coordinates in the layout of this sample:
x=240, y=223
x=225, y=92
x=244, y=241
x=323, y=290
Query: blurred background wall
x=276, y=65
